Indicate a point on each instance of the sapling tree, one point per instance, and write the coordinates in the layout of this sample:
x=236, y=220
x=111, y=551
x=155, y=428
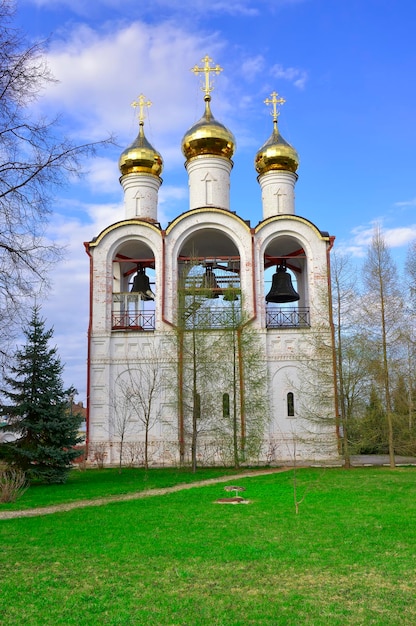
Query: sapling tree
x=135, y=402
x=120, y=415
x=242, y=371
x=221, y=376
x=196, y=396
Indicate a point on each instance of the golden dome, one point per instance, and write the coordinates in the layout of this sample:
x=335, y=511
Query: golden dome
x=276, y=154
x=140, y=157
x=208, y=137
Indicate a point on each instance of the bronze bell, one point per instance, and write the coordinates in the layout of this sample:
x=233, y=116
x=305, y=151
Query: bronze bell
x=282, y=289
x=141, y=285
x=209, y=282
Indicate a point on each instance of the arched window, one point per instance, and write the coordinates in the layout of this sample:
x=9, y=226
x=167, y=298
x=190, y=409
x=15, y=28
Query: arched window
x=209, y=289
x=134, y=287
x=285, y=283
x=290, y=404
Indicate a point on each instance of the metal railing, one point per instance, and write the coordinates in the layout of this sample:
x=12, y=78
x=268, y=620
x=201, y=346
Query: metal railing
x=220, y=317
x=129, y=312
x=141, y=321
x=287, y=318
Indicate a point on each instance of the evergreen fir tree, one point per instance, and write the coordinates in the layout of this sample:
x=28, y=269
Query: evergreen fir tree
x=39, y=409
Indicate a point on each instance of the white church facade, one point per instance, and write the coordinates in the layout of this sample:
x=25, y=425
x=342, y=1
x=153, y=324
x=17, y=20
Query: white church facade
x=210, y=339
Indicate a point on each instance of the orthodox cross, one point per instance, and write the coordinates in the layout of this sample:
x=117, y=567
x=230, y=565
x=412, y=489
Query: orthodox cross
x=141, y=102
x=274, y=101
x=279, y=193
x=207, y=69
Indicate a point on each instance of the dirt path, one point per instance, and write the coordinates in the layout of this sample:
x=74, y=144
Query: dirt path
x=80, y=504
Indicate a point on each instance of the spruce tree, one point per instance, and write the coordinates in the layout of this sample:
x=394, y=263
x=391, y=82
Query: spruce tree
x=38, y=408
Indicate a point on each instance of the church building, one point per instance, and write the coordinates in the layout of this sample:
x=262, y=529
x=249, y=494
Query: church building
x=210, y=339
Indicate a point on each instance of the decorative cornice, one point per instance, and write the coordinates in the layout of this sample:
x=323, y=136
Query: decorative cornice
x=190, y=213
x=292, y=218
x=132, y=222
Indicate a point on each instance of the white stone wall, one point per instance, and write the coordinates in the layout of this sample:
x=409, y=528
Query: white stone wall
x=112, y=352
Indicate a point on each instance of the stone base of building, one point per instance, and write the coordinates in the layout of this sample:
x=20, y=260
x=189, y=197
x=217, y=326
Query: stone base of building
x=162, y=453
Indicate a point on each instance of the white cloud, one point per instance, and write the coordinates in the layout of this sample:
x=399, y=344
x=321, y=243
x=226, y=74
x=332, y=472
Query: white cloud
x=102, y=175
x=195, y=7
x=252, y=67
x=100, y=74
x=406, y=203
x=395, y=237
x=294, y=75
x=400, y=236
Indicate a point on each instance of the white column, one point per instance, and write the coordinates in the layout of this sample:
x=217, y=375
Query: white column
x=278, y=192
x=209, y=182
x=141, y=196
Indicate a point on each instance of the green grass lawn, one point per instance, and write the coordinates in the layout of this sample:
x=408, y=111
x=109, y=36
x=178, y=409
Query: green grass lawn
x=83, y=485
x=180, y=559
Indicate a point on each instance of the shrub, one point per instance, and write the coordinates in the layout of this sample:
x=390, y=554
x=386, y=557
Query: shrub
x=13, y=484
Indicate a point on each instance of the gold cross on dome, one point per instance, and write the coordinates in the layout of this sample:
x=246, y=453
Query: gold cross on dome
x=274, y=101
x=141, y=102
x=207, y=69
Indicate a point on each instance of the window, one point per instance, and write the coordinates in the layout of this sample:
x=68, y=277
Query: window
x=226, y=405
x=290, y=404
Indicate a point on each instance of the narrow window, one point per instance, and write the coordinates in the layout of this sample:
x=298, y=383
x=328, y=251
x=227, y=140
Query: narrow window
x=290, y=404
x=226, y=405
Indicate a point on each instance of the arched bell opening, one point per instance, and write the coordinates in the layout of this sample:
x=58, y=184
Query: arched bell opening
x=285, y=284
x=209, y=288
x=134, y=287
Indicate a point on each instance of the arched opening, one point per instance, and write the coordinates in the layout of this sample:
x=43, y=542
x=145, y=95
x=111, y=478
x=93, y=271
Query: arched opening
x=134, y=287
x=285, y=284
x=209, y=293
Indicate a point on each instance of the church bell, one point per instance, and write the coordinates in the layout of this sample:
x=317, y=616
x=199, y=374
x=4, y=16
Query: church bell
x=141, y=285
x=282, y=289
x=209, y=282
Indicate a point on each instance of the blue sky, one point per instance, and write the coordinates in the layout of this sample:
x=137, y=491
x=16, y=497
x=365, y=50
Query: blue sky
x=346, y=70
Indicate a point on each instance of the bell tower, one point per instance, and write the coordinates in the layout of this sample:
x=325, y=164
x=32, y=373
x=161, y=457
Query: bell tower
x=212, y=284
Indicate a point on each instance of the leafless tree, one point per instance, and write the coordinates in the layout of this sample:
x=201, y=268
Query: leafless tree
x=121, y=415
x=145, y=388
x=350, y=346
x=411, y=275
x=135, y=404
x=383, y=307
x=35, y=159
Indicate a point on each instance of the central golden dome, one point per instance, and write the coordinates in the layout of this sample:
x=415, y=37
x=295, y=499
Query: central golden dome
x=208, y=137
x=276, y=154
x=140, y=157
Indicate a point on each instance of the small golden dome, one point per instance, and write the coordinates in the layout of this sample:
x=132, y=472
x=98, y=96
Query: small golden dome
x=276, y=154
x=140, y=157
x=208, y=137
